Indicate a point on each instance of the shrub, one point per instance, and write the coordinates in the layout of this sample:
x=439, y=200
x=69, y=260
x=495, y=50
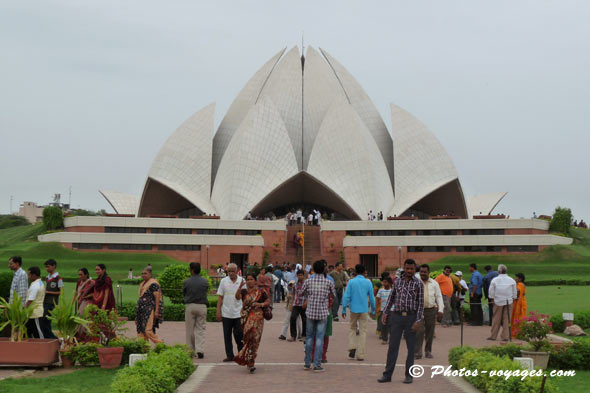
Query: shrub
x=174, y=312
x=562, y=220
x=557, y=323
x=104, y=325
x=172, y=279
x=534, y=329
x=511, y=350
x=133, y=281
x=456, y=353
x=575, y=356
x=10, y=221
x=485, y=360
x=212, y=314
x=131, y=346
x=582, y=318
x=163, y=370
x=5, y=282
x=129, y=310
x=53, y=218
x=85, y=354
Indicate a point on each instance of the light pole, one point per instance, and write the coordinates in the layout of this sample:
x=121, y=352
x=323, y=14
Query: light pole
x=207, y=246
x=399, y=250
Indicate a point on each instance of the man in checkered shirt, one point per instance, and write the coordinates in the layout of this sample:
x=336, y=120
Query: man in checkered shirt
x=317, y=291
x=20, y=283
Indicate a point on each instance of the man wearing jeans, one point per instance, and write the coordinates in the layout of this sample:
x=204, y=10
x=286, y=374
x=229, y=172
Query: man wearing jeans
x=317, y=291
x=340, y=279
x=407, y=301
x=359, y=293
x=228, y=311
x=298, y=307
x=475, y=291
x=195, y=289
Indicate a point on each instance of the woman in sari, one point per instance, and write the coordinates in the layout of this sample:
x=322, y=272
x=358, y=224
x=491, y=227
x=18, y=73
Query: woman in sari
x=264, y=282
x=149, y=307
x=103, y=296
x=253, y=302
x=84, y=289
x=519, y=307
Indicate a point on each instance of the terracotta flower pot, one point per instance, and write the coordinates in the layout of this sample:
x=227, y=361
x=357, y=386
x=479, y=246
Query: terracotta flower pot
x=66, y=361
x=110, y=357
x=30, y=352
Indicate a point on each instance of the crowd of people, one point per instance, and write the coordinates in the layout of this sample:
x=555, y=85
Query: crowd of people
x=407, y=304
x=44, y=294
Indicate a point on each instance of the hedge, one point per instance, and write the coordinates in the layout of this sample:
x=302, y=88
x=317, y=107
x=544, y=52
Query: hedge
x=172, y=312
x=472, y=359
x=5, y=283
x=575, y=356
x=581, y=318
x=161, y=372
x=541, y=283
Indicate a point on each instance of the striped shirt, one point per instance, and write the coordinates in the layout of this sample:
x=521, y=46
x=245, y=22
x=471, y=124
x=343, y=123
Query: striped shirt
x=407, y=295
x=19, y=284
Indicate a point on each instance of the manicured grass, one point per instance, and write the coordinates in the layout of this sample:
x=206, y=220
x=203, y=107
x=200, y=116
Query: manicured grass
x=68, y=261
x=87, y=380
x=11, y=236
x=557, y=299
x=579, y=383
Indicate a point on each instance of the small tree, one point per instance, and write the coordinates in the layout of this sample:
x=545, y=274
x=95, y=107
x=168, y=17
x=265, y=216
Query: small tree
x=172, y=279
x=53, y=218
x=562, y=220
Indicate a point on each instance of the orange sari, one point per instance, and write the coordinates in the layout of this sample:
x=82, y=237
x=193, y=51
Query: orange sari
x=518, y=308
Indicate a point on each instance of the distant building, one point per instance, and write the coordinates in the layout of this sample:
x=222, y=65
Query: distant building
x=31, y=212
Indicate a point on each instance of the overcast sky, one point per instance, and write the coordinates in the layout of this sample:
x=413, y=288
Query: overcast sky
x=90, y=90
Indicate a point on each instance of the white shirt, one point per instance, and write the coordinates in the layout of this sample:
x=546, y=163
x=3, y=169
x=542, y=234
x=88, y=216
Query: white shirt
x=502, y=290
x=231, y=307
x=464, y=285
x=434, y=298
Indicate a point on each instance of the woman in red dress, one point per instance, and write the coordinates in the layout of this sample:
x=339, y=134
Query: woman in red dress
x=103, y=296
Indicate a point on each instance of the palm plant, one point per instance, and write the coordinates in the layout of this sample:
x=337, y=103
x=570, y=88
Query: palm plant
x=67, y=321
x=17, y=316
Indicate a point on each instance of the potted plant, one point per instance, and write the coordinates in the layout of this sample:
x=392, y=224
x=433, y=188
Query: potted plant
x=18, y=349
x=105, y=325
x=68, y=323
x=534, y=329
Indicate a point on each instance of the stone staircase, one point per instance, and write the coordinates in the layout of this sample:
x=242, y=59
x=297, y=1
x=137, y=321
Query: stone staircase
x=311, y=243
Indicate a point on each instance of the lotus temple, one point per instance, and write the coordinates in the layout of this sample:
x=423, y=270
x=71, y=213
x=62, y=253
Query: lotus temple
x=302, y=135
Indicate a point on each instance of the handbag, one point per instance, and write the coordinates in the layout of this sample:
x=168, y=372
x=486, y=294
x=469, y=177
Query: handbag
x=267, y=313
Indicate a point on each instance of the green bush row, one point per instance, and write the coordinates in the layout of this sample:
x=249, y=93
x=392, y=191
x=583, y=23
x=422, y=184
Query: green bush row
x=5, y=283
x=161, y=372
x=485, y=360
x=581, y=318
x=172, y=312
x=544, y=283
x=575, y=356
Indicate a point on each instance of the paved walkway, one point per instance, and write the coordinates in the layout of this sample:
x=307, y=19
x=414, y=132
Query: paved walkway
x=279, y=366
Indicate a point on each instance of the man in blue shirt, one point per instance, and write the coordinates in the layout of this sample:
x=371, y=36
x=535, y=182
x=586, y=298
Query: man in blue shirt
x=279, y=287
x=475, y=291
x=358, y=291
x=490, y=275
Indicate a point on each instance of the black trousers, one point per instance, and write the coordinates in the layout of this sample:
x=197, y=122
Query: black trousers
x=297, y=311
x=232, y=325
x=34, y=328
x=476, y=310
x=46, y=323
x=399, y=325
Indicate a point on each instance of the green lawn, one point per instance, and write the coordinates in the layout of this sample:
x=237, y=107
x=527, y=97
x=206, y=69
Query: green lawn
x=579, y=383
x=87, y=380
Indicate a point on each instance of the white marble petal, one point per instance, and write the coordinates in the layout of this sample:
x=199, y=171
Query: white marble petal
x=346, y=159
x=239, y=108
x=184, y=162
x=121, y=202
x=258, y=159
x=484, y=203
x=422, y=164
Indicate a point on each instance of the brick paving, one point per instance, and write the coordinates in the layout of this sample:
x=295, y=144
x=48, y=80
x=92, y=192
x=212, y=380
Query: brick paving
x=280, y=363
